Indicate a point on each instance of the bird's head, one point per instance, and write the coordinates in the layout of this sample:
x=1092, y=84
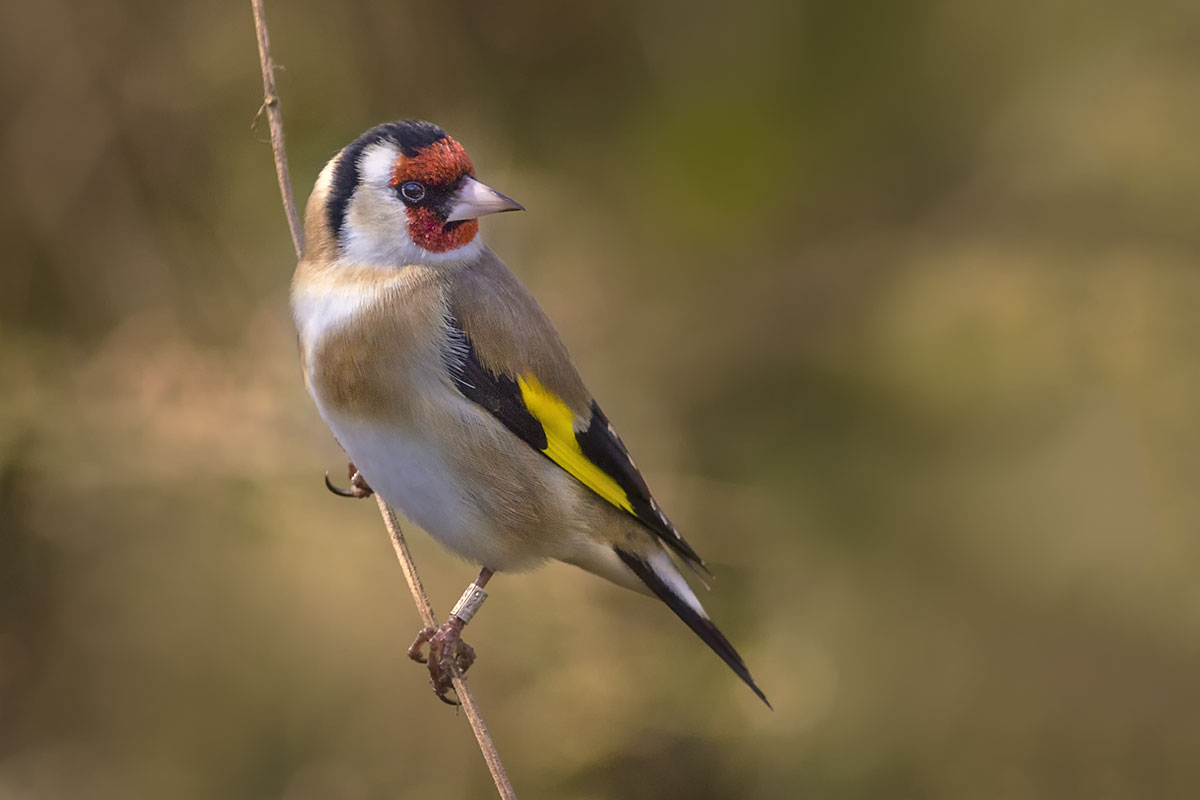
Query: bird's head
x=402, y=193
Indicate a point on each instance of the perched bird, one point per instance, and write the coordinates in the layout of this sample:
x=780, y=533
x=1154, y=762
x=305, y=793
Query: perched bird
x=453, y=395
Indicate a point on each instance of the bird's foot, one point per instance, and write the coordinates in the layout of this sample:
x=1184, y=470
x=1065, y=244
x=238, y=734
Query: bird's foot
x=445, y=648
x=358, y=484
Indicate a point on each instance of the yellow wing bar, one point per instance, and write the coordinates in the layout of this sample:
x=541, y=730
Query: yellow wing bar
x=562, y=447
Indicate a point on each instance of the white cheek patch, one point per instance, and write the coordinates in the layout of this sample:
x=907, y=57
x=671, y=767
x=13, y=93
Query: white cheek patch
x=376, y=234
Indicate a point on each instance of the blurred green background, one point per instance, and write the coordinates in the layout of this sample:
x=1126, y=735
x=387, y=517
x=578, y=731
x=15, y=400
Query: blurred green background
x=895, y=304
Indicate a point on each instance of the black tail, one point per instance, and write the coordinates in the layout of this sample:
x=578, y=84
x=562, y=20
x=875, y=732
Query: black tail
x=699, y=623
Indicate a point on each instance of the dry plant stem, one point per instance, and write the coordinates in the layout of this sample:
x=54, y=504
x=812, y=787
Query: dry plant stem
x=275, y=122
x=465, y=698
x=461, y=689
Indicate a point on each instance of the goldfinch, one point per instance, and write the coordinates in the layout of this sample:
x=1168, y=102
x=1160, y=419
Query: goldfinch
x=452, y=393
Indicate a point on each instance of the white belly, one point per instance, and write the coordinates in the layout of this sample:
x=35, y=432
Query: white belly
x=395, y=414
x=409, y=470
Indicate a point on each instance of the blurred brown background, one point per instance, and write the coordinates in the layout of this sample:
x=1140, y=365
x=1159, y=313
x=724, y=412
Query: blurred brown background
x=895, y=303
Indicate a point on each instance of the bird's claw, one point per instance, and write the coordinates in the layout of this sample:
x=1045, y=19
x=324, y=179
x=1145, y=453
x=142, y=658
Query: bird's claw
x=358, y=485
x=446, y=648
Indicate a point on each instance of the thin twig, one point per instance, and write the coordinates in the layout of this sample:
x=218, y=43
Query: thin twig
x=275, y=119
x=275, y=122
x=461, y=689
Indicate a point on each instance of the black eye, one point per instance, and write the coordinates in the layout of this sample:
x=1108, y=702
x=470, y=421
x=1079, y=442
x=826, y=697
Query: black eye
x=412, y=191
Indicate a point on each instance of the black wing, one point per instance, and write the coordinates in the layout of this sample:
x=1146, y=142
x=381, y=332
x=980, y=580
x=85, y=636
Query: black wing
x=589, y=449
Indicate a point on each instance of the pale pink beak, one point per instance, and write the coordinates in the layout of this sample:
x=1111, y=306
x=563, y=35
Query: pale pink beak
x=476, y=199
